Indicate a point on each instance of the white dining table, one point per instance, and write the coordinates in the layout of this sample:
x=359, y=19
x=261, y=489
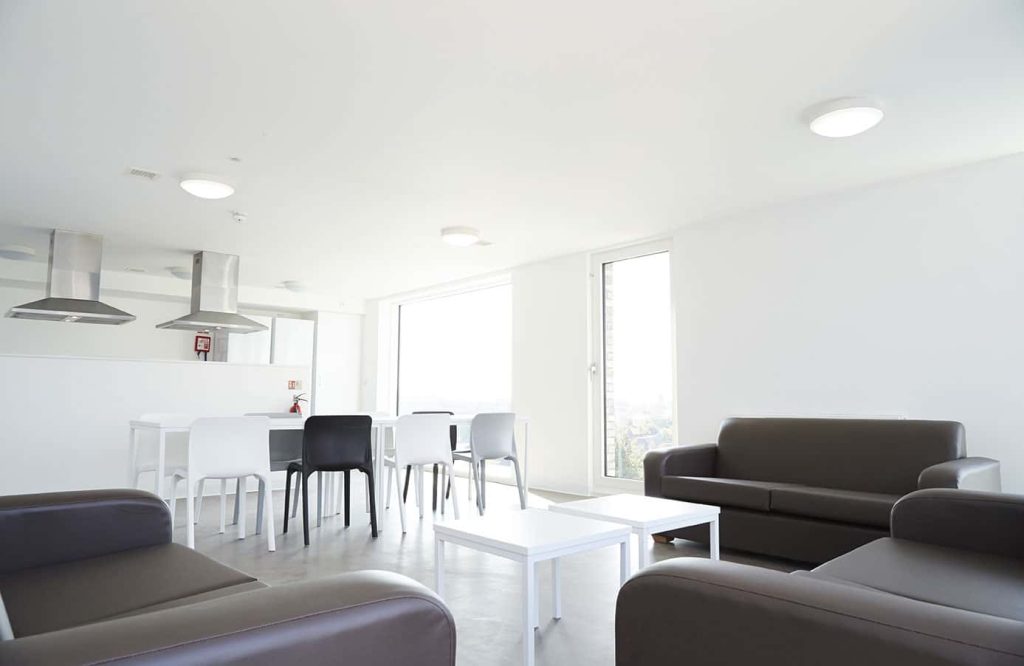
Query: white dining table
x=382, y=423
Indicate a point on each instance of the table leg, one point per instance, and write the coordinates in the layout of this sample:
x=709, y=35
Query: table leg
x=643, y=553
x=529, y=592
x=132, y=456
x=714, y=539
x=378, y=471
x=535, y=609
x=556, y=584
x=161, y=449
x=624, y=561
x=439, y=565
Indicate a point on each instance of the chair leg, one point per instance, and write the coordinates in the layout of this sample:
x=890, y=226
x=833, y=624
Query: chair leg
x=259, y=505
x=401, y=507
x=267, y=509
x=319, y=498
x=238, y=491
x=241, y=508
x=434, y=494
x=199, y=499
x=444, y=477
x=190, y=512
x=174, y=495
x=304, y=478
x=373, y=501
x=223, y=505
x=387, y=495
x=455, y=499
x=287, y=496
x=405, y=491
x=295, y=499
x=418, y=472
x=348, y=495
x=519, y=483
x=476, y=482
x=483, y=485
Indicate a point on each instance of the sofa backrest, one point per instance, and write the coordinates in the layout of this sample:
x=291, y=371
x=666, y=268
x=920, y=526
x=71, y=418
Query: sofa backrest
x=882, y=456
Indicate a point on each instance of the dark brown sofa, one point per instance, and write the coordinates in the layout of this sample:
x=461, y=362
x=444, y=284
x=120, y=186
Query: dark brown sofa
x=946, y=589
x=812, y=489
x=93, y=577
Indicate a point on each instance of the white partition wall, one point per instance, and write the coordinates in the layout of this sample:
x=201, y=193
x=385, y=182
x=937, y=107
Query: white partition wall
x=66, y=419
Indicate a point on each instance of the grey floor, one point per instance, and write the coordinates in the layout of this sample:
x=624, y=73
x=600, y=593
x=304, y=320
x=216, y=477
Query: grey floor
x=483, y=591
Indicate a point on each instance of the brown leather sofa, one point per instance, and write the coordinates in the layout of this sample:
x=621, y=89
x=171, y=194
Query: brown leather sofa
x=812, y=489
x=93, y=577
x=947, y=588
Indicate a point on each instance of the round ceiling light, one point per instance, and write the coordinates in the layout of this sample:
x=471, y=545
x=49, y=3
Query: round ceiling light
x=844, y=117
x=18, y=252
x=460, y=236
x=205, y=187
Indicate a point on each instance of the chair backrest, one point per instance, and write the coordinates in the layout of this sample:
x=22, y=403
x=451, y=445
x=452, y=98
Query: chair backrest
x=421, y=439
x=872, y=455
x=340, y=442
x=229, y=446
x=493, y=436
x=453, y=430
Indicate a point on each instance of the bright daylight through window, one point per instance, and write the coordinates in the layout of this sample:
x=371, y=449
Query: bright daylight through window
x=637, y=356
x=455, y=353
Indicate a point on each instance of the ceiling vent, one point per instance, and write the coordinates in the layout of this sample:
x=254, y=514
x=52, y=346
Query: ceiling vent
x=143, y=173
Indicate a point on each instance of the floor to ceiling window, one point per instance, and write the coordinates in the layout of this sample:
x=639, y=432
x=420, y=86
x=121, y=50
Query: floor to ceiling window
x=455, y=352
x=636, y=387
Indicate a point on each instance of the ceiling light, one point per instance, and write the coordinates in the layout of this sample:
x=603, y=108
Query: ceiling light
x=180, y=272
x=848, y=116
x=460, y=236
x=206, y=187
x=18, y=252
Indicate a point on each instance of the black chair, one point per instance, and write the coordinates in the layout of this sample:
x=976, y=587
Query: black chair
x=333, y=444
x=453, y=435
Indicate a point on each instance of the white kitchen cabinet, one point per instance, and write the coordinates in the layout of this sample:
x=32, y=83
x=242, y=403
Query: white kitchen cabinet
x=251, y=348
x=292, y=342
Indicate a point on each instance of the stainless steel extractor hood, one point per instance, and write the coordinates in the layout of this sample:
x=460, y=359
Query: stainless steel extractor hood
x=73, y=284
x=214, y=297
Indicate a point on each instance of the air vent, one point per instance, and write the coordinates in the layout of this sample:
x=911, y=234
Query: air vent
x=143, y=173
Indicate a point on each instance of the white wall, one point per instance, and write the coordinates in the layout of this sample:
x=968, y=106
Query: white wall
x=900, y=299
x=550, y=369
x=138, y=339
x=65, y=420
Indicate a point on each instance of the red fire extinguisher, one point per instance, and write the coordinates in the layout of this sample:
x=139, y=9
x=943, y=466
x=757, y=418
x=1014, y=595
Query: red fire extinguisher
x=296, y=407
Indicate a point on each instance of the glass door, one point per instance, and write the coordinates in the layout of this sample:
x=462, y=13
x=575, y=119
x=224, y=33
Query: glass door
x=635, y=370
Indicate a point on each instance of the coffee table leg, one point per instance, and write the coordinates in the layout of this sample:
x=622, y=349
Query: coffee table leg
x=624, y=560
x=556, y=583
x=439, y=565
x=529, y=603
x=714, y=539
x=643, y=555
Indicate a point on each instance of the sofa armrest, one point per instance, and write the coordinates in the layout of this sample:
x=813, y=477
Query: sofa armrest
x=372, y=618
x=967, y=473
x=966, y=519
x=696, y=460
x=705, y=613
x=49, y=528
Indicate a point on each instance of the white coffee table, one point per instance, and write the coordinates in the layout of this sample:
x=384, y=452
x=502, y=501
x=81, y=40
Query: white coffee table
x=528, y=537
x=646, y=516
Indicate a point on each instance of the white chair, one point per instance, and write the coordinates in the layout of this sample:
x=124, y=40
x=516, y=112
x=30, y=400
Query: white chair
x=491, y=437
x=420, y=439
x=146, y=448
x=228, y=448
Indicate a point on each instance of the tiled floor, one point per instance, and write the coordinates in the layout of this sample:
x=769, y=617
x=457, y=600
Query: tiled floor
x=481, y=590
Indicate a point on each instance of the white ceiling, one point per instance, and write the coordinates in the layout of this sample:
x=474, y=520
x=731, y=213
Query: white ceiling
x=365, y=126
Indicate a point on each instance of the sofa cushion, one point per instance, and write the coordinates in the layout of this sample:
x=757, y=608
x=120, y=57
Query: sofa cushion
x=847, y=506
x=962, y=579
x=719, y=492
x=880, y=456
x=69, y=594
